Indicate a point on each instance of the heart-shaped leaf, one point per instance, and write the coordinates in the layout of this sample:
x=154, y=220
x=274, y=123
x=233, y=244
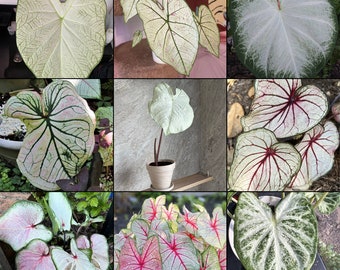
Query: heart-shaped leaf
x=210, y=259
x=61, y=40
x=152, y=208
x=285, y=107
x=283, y=39
x=261, y=163
x=286, y=239
x=129, y=8
x=329, y=203
x=171, y=32
x=209, y=36
x=19, y=225
x=150, y=258
x=87, y=88
x=77, y=261
x=140, y=229
x=189, y=220
x=171, y=111
x=213, y=231
x=178, y=252
x=60, y=133
x=100, y=251
x=317, y=151
x=35, y=256
x=61, y=210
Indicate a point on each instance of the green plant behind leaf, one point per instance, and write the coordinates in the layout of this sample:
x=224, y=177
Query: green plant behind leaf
x=95, y=203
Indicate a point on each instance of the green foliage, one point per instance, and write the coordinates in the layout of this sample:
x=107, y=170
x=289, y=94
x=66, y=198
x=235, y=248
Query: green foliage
x=11, y=179
x=329, y=256
x=95, y=203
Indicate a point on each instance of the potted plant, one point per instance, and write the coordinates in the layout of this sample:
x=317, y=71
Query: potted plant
x=167, y=24
x=173, y=113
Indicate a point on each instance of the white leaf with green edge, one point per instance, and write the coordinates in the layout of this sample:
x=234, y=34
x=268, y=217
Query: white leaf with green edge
x=286, y=239
x=209, y=35
x=170, y=215
x=213, y=230
x=20, y=224
x=60, y=133
x=152, y=208
x=87, y=88
x=34, y=256
x=77, y=261
x=129, y=8
x=171, y=32
x=137, y=37
x=210, y=259
x=329, y=203
x=140, y=228
x=283, y=39
x=100, y=251
x=62, y=211
x=61, y=40
x=317, y=151
x=189, y=220
x=262, y=163
x=172, y=112
x=285, y=107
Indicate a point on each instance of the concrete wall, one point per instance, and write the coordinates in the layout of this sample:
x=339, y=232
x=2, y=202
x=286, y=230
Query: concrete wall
x=199, y=148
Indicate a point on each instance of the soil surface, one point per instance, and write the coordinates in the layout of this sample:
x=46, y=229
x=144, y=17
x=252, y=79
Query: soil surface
x=237, y=91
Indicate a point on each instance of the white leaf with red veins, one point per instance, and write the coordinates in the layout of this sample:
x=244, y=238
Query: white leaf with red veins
x=19, y=225
x=152, y=208
x=213, y=230
x=35, y=256
x=285, y=107
x=317, y=151
x=261, y=163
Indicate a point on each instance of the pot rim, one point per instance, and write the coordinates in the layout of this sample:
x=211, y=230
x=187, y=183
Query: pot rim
x=9, y=144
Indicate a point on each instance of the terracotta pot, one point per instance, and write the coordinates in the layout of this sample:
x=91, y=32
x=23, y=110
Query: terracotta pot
x=9, y=150
x=161, y=175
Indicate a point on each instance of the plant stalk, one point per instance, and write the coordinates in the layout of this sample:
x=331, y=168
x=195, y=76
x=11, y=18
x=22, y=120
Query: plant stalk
x=320, y=200
x=159, y=147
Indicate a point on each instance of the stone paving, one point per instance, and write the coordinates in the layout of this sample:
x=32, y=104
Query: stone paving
x=8, y=198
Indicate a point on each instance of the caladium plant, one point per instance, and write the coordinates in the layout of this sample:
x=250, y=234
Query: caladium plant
x=20, y=227
x=167, y=24
x=162, y=237
x=303, y=33
x=282, y=110
x=60, y=133
x=282, y=236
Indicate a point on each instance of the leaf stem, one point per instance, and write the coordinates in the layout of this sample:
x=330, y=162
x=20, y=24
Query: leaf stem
x=230, y=214
x=159, y=146
x=320, y=200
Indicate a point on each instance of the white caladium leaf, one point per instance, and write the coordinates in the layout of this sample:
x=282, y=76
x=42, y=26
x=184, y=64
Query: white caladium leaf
x=213, y=230
x=171, y=32
x=329, y=203
x=61, y=40
x=178, y=252
x=209, y=35
x=35, y=256
x=262, y=163
x=87, y=88
x=317, y=151
x=152, y=208
x=285, y=238
x=77, y=260
x=20, y=224
x=129, y=8
x=210, y=259
x=171, y=111
x=285, y=107
x=140, y=229
x=189, y=220
x=61, y=210
x=222, y=256
x=100, y=251
x=60, y=133
x=283, y=39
